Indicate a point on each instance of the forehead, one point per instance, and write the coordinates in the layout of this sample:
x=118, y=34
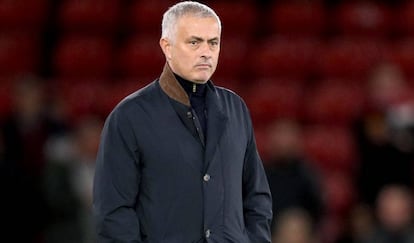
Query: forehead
x=198, y=26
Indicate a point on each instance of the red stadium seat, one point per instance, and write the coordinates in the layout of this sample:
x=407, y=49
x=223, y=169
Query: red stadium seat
x=238, y=19
x=340, y=193
x=81, y=96
x=27, y=15
x=6, y=93
x=237, y=85
x=285, y=56
x=297, y=18
x=363, y=18
x=270, y=99
x=144, y=17
x=402, y=53
x=19, y=53
x=233, y=57
x=405, y=18
x=81, y=56
x=90, y=16
x=118, y=90
x=330, y=148
x=141, y=56
x=334, y=102
x=350, y=58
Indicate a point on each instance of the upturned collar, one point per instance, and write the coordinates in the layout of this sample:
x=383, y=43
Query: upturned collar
x=170, y=85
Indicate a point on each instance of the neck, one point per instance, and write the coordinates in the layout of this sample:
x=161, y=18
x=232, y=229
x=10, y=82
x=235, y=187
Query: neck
x=191, y=88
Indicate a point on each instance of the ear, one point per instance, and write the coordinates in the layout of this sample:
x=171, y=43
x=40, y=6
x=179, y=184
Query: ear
x=166, y=47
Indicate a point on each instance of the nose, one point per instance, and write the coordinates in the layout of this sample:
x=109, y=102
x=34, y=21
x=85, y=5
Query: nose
x=206, y=50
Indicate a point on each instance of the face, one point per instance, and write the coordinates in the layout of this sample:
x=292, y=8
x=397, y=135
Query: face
x=194, y=53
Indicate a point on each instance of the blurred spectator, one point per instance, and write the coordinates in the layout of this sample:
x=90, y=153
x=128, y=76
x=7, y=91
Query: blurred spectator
x=295, y=226
x=68, y=183
x=23, y=133
x=386, y=155
x=358, y=226
x=292, y=181
x=385, y=136
x=394, y=211
x=393, y=94
x=86, y=142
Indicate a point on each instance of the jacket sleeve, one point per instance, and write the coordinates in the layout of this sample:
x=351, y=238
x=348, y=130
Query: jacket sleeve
x=116, y=182
x=257, y=199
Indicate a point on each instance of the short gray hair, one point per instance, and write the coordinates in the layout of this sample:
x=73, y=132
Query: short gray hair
x=174, y=13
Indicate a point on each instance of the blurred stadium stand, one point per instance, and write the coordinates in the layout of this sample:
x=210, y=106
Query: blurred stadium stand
x=304, y=60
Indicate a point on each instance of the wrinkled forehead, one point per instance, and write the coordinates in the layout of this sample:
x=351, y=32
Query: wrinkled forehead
x=196, y=24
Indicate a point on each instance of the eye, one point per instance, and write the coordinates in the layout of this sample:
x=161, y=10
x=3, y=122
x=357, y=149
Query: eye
x=214, y=43
x=193, y=42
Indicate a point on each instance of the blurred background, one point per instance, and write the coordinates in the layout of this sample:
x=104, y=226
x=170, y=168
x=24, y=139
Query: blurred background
x=329, y=85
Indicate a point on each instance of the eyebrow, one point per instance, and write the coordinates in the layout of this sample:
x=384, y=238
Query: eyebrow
x=201, y=39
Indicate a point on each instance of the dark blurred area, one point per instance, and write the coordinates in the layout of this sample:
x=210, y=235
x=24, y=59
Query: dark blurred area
x=329, y=84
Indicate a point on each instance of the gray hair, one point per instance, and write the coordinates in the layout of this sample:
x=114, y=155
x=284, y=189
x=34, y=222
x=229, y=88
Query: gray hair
x=174, y=13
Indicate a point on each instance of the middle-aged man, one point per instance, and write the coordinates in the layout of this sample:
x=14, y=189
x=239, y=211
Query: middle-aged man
x=178, y=161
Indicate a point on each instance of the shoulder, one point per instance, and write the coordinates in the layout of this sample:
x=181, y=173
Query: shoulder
x=228, y=94
x=134, y=102
x=231, y=98
x=139, y=96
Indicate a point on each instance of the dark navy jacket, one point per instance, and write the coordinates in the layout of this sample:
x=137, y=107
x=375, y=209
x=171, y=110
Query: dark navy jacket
x=155, y=182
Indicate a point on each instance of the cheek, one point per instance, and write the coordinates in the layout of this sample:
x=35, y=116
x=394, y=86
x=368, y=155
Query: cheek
x=182, y=56
x=184, y=62
x=216, y=57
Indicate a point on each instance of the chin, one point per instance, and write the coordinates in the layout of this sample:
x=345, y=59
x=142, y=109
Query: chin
x=204, y=80
x=201, y=79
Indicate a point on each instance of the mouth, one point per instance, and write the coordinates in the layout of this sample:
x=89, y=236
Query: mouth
x=203, y=65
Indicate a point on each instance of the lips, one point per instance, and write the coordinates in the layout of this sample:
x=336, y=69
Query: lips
x=204, y=65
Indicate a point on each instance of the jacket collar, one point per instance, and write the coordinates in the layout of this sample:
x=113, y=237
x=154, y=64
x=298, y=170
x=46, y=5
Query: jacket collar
x=170, y=85
x=217, y=120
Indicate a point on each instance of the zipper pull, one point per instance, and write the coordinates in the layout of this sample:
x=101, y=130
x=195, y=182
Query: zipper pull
x=194, y=88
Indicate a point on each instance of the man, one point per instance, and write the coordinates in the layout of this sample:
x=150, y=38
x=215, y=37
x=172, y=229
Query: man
x=178, y=161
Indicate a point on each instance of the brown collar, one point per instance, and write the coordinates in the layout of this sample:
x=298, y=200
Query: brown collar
x=172, y=88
